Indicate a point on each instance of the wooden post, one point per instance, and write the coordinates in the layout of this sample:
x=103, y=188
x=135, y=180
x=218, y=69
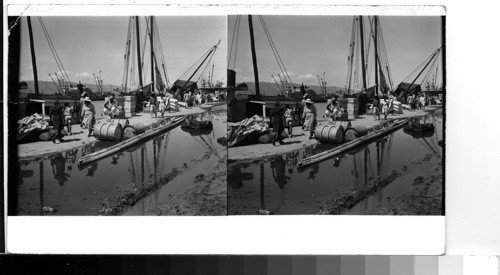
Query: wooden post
x=254, y=58
x=152, y=56
x=138, y=49
x=41, y=187
x=361, y=34
x=376, y=55
x=33, y=58
x=262, y=188
x=443, y=56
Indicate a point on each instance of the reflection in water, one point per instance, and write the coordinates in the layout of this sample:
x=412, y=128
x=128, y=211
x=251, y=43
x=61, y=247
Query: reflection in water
x=56, y=180
x=292, y=193
x=278, y=167
x=59, y=169
x=152, y=159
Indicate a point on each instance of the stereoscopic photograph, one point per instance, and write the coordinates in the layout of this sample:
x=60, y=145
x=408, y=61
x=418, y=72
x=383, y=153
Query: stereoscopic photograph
x=117, y=115
x=226, y=115
x=336, y=115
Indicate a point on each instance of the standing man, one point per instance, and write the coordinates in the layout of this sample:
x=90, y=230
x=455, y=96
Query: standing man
x=80, y=87
x=376, y=108
x=309, y=118
x=56, y=116
x=88, y=114
x=278, y=123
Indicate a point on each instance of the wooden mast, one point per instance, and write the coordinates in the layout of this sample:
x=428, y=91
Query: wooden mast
x=152, y=56
x=430, y=59
x=375, y=38
x=33, y=58
x=361, y=34
x=199, y=66
x=443, y=66
x=254, y=58
x=138, y=49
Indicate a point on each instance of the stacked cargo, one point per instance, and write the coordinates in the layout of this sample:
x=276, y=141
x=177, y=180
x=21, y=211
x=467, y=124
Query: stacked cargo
x=129, y=106
x=397, y=107
x=352, y=108
x=173, y=105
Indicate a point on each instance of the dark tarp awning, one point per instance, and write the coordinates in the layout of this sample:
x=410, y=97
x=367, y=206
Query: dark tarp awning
x=404, y=89
x=188, y=87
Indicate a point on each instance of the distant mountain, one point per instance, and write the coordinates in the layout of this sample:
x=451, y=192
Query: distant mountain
x=48, y=87
x=268, y=88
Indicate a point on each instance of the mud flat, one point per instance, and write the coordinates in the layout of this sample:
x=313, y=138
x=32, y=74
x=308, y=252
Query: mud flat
x=206, y=196
x=424, y=197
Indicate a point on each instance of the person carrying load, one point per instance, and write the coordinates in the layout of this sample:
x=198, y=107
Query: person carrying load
x=289, y=119
x=309, y=117
x=68, y=116
x=110, y=108
x=88, y=114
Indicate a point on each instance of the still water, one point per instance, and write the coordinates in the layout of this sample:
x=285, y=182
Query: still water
x=56, y=181
x=274, y=184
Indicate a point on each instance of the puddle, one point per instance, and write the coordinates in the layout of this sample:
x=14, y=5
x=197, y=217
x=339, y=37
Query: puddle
x=275, y=185
x=55, y=180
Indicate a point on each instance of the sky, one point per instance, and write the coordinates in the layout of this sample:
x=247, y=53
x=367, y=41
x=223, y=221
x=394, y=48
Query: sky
x=87, y=45
x=311, y=45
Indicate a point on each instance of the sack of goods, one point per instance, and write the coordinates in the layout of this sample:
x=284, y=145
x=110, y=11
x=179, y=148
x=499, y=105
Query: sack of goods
x=397, y=107
x=174, y=104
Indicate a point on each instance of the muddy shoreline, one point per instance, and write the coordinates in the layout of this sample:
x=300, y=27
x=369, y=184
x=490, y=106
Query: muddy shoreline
x=424, y=198
x=207, y=196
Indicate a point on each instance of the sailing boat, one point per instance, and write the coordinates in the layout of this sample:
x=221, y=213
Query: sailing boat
x=359, y=64
x=428, y=68
x=134, y=73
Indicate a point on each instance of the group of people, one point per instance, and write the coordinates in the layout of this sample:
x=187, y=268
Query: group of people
x=196, y=98
x=418, y=101
x=382, y=106
x=159, y=103
x=63, y=115
x=284, y=117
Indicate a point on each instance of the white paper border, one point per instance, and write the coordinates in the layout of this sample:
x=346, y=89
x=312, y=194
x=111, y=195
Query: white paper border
x=368, y=235
x=308, y=235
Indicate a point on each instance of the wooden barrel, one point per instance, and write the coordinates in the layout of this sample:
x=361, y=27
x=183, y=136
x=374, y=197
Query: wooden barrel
x=345, y=124
x=355, y=132
x=139, y=127
x=329, y=133
x=108, y=131
x=154, y=125
x=129, y=131
x=122, y=122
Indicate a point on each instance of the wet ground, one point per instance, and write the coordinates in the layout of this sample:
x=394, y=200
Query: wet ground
x=54, y=185
x=274, y=185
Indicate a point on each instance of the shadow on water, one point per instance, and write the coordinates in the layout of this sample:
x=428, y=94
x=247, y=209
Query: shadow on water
x=275, y=185
x=53, y=184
